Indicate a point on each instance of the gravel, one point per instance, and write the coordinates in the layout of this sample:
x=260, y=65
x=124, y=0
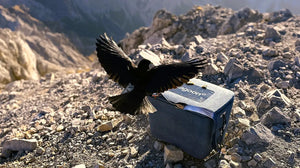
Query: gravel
x=68, y=116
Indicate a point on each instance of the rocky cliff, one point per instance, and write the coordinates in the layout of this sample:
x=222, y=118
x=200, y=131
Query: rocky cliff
x=28, y=49
x=82, y=21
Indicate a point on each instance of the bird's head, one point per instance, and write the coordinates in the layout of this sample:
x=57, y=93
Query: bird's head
x=144, y=65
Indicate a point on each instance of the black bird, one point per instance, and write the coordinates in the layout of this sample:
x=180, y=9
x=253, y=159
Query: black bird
x=144, y=79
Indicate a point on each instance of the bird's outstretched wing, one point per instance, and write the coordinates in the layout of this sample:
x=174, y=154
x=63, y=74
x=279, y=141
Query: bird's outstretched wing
x=115, y=62
x=170, y=76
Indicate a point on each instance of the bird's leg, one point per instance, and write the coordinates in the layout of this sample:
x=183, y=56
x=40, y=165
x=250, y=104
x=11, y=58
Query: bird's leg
x=155, y=95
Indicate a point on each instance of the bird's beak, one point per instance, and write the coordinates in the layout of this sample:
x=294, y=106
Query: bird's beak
x=155, y=95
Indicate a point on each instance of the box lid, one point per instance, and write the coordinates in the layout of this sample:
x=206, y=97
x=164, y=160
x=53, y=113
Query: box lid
x=200, y=94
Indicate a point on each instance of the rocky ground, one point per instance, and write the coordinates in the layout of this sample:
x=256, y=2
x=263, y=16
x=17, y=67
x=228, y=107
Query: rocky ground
x=65, y=120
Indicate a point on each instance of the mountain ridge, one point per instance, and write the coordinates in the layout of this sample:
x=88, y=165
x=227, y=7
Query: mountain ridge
x=82, y=21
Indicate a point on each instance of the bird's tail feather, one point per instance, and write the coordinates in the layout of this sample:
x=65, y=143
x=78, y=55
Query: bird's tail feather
x=131, y=103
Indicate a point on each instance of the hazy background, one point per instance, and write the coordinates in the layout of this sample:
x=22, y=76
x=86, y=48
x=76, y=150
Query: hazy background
x=83, y=20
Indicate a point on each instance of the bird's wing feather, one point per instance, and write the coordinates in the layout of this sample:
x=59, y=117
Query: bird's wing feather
x=170, y=76
x=115, y=62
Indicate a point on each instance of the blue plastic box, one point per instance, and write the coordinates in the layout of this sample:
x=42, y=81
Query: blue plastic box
x=193, y=117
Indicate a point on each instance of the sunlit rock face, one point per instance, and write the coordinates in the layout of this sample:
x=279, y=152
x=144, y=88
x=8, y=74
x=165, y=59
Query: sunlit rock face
x=28, y=49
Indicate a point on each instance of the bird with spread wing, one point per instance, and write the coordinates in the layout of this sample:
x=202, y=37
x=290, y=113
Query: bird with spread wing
x=145, y=80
